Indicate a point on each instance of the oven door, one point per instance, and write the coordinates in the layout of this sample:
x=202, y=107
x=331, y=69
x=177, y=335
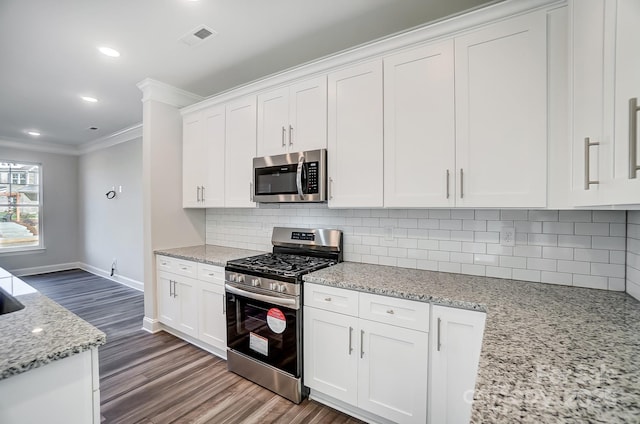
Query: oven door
x=265, y=327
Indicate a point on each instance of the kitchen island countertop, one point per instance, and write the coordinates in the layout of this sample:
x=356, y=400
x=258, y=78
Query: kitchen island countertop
x=40, y=333
x=208, y=254
x=550, y=353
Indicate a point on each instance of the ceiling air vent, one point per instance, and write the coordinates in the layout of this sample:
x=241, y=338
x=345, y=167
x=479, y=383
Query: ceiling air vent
x=198, y=35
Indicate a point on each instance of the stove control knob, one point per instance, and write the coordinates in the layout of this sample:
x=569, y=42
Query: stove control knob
x=273, y=286
x=255, y=282
x=282, y=288
x=233, y=277
x=240, y=278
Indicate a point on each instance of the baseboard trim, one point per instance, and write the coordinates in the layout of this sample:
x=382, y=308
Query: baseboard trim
x=23, y=272
x=134, y=284
x=151, y=325
x=347, y=409
x=222, y=354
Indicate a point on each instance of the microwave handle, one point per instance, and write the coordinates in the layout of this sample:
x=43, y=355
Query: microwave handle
x=299, y=177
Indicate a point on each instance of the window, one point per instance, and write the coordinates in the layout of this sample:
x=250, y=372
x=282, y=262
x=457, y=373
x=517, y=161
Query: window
x=20, y=206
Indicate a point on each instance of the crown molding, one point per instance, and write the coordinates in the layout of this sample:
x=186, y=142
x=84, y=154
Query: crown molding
x=38, y=146
x=165, y=93
x=118, y=137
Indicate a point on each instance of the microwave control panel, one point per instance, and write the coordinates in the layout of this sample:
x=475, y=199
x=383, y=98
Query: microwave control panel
x=312, y=178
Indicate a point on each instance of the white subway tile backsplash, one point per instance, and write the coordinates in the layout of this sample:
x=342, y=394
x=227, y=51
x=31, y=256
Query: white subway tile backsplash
x=564, y=253
x=592, y=229
x=599, y=249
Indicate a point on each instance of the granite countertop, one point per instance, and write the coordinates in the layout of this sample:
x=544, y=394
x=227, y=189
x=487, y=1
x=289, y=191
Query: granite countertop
x=549, y=354
x=40, y=333
x=208, y=254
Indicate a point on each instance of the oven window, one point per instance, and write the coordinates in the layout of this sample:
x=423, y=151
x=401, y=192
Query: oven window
x=276, y=180
x=268, y=333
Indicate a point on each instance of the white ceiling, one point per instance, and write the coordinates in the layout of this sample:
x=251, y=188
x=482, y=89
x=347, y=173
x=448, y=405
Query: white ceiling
x=49, y=57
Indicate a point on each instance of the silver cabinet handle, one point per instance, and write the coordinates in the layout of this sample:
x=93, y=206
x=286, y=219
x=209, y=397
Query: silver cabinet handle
x=633, y=137
x=390, y=311
x=251, y=191
x=224, y=304
x=330, y=188
x=361, y=343
x=587, y=161
x=447, y=183
x=438, y=334
x=170, y=290
x=202, y=191
x=290, y=135
x=327, y=299
x=198, y=194
x=350, y=338
x=175, y=291
x=284, y=132
x=461, y=183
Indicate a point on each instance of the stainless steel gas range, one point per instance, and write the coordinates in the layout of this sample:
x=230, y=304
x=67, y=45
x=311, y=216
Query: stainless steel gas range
x=264, y=307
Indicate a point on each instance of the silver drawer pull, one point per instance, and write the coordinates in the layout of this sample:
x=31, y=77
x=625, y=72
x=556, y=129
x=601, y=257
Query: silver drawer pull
x=184, y=268
x=633, y=138
x=390, y=312
x=211, y=275
x=327, y=299
x=587, y=162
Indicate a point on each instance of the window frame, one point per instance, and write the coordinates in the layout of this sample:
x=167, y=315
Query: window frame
x=40, y=246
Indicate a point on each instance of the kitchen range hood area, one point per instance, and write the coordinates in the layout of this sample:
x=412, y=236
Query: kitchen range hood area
x=437, y=226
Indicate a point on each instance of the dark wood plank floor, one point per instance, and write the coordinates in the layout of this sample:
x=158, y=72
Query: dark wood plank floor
x=158, y=378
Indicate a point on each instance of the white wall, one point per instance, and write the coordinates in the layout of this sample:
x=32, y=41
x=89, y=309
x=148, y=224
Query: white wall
x=580, y=248
x=633, y=254
x=59, y=214
x=112, y=228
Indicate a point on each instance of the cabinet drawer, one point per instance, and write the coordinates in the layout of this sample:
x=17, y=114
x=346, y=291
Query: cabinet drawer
x=186, y=268
x=165, y=263
x=395, y=311
x=331, y=299
x=211, y=273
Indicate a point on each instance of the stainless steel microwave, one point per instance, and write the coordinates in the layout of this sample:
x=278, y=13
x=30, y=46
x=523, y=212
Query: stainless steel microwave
x=292, y=177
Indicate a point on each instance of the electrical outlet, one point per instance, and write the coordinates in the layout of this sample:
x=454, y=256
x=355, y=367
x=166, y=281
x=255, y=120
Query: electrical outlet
x=508, y=236
x=388, y=233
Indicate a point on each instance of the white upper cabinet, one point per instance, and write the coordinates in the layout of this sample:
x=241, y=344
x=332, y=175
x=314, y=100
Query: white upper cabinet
x=419, y=127
x=293, y=118
x=193, y=163
x=355, y=133
x=203, y=158
x=605, y=78
x=501, y=114
x=240, y=149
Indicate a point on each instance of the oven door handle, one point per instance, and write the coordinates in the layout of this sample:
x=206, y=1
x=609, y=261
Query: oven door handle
x=299, y=177
x=276, y=300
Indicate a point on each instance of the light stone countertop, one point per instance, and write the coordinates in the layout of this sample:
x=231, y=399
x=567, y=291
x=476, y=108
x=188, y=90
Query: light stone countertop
x=550, y=354
x=62, y=333
x=208, y=254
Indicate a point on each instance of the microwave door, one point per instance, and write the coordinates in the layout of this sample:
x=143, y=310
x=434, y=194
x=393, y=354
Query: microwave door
x=299, y=175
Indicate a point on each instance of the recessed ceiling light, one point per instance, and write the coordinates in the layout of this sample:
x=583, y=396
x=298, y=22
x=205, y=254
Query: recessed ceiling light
x=33, y=133
x=89, y=99
x=108, y=51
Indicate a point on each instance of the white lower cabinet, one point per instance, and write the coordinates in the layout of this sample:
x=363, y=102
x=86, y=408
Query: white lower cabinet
x=191, y=300
x=456, y=341
x=378, y=367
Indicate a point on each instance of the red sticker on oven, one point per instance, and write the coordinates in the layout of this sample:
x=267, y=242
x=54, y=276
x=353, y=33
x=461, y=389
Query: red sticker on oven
x=276, y=320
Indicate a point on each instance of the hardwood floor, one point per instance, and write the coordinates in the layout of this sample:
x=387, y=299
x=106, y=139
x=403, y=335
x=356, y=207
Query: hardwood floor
x=158, y=378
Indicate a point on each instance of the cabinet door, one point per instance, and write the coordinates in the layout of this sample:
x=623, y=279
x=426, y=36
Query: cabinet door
x=590, y=65
x=308, y=115
x=456, y=340
x=331, y=354
x=355, y=136
x=212, y=193
x=212, y=328
x=273, y=122
x=627, y=81
x=419, y=127
x=240, y=149
x=501, y=110
x=392, y=379
x=167, y=311
x=187, y=305
x=192, y=160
